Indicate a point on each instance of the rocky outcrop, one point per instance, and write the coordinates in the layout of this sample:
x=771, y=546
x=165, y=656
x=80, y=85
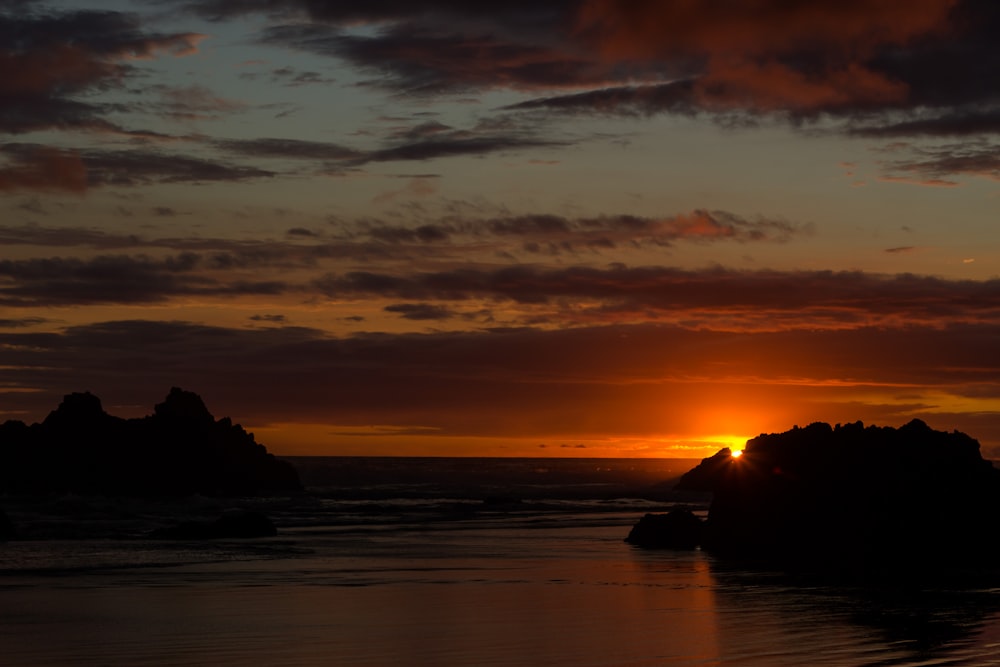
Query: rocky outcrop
x=677, y=529
x=179, y=450
x=850, y=495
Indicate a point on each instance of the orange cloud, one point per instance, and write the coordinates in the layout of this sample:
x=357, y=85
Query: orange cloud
x=768, y=86
x=60, y=67
x=700, y=224
x=762, y=55
x=755, y=28
x=645, y=381
x=45, y=169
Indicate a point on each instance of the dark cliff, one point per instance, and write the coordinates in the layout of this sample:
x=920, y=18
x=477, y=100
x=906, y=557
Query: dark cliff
x=852, y=494
x=180, y=449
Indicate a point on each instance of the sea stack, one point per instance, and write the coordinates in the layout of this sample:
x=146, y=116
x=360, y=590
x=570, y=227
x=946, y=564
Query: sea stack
x=852, y=496
x=181, y=449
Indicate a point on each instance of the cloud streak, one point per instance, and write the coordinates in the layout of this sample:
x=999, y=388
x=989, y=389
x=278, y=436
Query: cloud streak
x=40, y=168
x=933, y=165
x=115, y=279
x=513, y=383
x=552, y=234
x=716, y=299
x=51, y=58
x=878, y=71
x=794, y=59
x=416, y=276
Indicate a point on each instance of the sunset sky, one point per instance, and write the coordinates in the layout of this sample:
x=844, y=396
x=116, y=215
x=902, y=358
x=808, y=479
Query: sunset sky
x=567, y=228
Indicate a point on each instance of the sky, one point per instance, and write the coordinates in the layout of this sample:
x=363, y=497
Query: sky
x=566, y=228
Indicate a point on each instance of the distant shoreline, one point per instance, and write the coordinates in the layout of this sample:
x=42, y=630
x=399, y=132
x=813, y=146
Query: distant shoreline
x=292, y=457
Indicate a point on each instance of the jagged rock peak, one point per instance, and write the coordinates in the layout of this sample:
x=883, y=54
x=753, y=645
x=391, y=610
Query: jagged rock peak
x=184, y=405
x=77, y=407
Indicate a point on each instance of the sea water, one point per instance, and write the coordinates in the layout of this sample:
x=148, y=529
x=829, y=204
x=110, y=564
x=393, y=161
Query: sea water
x=413, y=563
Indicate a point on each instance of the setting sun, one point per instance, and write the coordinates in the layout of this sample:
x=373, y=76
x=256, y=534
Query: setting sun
x=471, y=271
x=735, y=443
x=737, y=453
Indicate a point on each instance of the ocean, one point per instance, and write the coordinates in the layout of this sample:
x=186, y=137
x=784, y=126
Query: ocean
x=448, y=562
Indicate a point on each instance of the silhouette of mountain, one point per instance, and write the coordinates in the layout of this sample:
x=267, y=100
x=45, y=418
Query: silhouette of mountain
x=852, y=496
x=180, y=449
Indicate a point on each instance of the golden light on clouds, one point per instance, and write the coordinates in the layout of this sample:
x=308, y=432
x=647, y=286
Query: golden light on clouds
x=567, y=245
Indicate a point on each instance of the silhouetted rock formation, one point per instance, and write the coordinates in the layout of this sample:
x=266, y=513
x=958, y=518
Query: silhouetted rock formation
x=240, y=524
x=852, y=495
x=180, y=449
x=677, y=529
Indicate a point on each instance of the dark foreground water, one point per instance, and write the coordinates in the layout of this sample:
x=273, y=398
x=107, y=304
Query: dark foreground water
x=408, y=576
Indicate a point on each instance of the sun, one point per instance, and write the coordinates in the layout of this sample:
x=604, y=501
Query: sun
x=736, y=453
x=735, y=443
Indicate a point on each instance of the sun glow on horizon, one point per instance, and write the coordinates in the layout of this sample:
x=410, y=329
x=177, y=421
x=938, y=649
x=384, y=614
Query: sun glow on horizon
x=733, y=442
x=736, y=453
